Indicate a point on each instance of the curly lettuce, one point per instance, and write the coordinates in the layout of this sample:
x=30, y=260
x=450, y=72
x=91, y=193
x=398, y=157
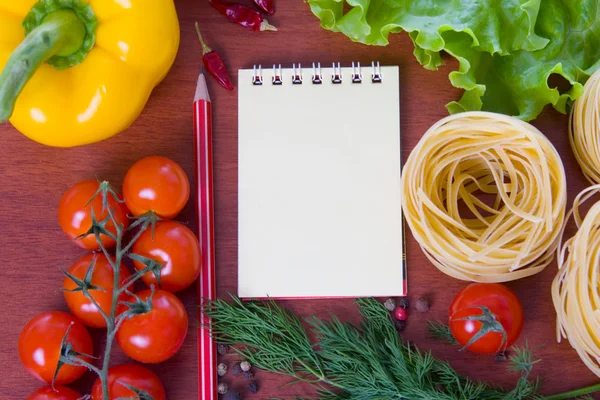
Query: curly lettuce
x=506, y=49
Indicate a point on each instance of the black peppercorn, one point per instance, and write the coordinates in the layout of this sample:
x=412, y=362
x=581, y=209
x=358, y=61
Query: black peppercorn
x=222, y=348
x=236, y=370
x=231, y=396
x=253, y=387
x=501, y=357
x=248, y=376
x=403, y=302
x=400, y=325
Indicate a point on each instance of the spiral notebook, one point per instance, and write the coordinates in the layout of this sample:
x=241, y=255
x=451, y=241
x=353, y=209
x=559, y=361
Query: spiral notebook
x=319, y=210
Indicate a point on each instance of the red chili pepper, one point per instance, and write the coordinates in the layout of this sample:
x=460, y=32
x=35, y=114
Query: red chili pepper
x=267, y=5
x=243, y=15
x=214, y=64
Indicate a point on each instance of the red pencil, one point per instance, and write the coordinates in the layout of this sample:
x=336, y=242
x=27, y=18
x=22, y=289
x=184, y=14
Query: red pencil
x=207, y=357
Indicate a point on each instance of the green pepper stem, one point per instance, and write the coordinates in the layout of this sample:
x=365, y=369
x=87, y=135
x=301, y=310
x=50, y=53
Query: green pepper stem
x=575, y=393
x=62, y=33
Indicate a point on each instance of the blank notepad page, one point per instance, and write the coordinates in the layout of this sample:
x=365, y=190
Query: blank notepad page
x=319, y=186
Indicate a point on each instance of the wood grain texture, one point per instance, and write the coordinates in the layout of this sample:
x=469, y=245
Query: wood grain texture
x=33, y=177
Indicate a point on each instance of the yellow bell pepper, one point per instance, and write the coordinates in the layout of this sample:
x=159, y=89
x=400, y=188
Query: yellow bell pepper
x=80, y=71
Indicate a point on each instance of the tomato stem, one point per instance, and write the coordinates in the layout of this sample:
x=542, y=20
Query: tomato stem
x=575, y=393
x=112, y=323
x=489, y=324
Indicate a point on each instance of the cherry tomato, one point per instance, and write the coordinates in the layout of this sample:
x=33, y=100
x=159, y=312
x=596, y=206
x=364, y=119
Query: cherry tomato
x=504, y=313
x=130, y=374
x=156, y=184
x=54, y=393
x=102, y=277
x=39, y=346
x=177, y=248
x=75, y=214
x=157, y=335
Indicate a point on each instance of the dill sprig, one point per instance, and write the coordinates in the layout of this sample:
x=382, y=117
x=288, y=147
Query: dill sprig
x=364, y=362
x=440, y=331
x=522, y=360
x=274, y=339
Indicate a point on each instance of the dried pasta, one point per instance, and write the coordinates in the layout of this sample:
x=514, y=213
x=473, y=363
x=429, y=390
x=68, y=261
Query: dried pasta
x=575, y=288
x=480, y=152
x=584, y=129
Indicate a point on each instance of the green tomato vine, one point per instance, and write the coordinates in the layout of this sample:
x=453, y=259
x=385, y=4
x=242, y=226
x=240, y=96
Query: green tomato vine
x=137, y=307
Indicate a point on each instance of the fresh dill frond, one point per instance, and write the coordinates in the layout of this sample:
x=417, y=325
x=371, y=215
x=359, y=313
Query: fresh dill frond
x=349, y=362
x=273, y=338
x=522, y=360
x=441, y=331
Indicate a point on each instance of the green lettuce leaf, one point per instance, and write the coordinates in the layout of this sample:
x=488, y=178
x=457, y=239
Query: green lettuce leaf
x=506, y=49
x=483, y=21
x=517, y=84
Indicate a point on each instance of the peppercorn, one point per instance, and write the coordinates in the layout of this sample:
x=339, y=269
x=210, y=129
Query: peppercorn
x=232, y=396
x=253, y=387
x=222, y=348
x=390, y=304
x=223, y=388
x=403, y=302
x=422, y=305
x=501, y=356
x=400, y=313
x=248, y=376
x=236, y=370
x=221, y=369
x=246, y=366
x=400, y=325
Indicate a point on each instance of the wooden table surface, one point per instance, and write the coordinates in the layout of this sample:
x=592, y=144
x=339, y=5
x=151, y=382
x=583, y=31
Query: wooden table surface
x=33, y=177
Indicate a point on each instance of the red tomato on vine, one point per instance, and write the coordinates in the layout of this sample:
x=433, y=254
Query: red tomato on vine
x=486, y=318
x=157, y=335
x=175, y=247
x=40, y=346
x=136, y=376
x=156, y=184
x=75, y=214
x=102, y=280
x=54, y=393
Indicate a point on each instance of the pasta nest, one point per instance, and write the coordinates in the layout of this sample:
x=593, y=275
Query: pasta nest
x=584, y=129
x=507, y=160
x=575, y=289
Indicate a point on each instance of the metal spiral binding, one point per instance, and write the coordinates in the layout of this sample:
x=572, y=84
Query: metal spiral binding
x=297, y=75
x=257, y=78
x=337, y=74
x=356, y=76
x=376, y=77
x=277, y=78
x=317, y=75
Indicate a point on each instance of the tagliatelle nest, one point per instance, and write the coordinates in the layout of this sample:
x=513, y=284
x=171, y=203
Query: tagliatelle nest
x=584, y=129
x=464, y=156
x=575, y=289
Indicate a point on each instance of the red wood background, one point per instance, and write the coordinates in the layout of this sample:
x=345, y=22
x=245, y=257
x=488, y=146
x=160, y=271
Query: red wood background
x=33, y=177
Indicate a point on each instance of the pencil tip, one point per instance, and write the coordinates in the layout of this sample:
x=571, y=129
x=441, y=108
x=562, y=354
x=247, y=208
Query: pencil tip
x=201, y=89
